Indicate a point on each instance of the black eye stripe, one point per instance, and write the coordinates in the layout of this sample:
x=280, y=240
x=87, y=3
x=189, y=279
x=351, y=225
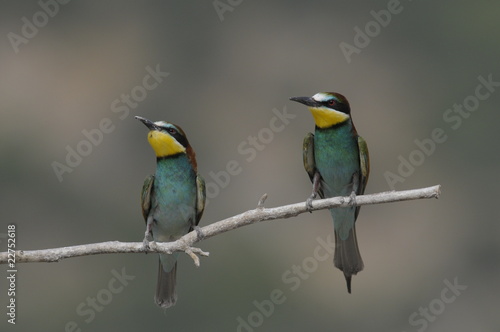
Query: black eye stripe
x=177, y=135
x=338, y=105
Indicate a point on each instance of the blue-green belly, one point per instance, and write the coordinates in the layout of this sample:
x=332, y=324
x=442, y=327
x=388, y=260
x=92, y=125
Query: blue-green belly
x=337, y=160
x=174, y=202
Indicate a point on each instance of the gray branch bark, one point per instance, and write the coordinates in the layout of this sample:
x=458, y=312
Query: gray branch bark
x=184, y=244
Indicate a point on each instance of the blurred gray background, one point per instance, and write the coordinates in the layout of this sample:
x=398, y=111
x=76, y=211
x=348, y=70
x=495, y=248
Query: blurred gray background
x=228, y=69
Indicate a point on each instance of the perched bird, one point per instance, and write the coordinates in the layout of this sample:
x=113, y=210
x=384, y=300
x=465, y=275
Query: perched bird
x=336, y=160
x=172, y=200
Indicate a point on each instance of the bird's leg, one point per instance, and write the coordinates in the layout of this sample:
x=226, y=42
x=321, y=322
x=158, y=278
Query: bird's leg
x=355, y=183
x=352, y=198
x=148, y=235
x=199, y=232
x=316, y=183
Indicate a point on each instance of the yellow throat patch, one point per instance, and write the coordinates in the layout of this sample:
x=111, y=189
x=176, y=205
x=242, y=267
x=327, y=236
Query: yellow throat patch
x=164, y=144
x=325, y=117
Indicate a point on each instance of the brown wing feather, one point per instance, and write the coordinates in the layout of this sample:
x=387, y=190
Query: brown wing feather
x=200, y=198
x=146, y=194
x=364, y=163
x=308, y=159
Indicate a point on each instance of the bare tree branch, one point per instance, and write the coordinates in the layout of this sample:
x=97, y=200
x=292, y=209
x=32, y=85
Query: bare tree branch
x=246, y=218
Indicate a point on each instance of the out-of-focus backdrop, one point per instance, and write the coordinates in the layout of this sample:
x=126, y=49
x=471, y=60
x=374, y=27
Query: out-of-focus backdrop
x=423, y=82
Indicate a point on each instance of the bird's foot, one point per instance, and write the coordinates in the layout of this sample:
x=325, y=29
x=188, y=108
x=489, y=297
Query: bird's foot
x=309, y=201
x=147, y=240
x=148, y=235
x=199, y=233
x=145, y=245
x=352, y=199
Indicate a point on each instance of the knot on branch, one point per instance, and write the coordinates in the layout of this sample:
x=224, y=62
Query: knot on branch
x=262, y=200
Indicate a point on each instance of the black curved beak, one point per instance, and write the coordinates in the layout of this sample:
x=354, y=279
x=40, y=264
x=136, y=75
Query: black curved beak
x=308, y=101
x=148, y=123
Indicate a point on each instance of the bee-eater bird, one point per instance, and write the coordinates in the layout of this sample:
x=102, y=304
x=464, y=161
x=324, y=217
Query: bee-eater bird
x=336, y=160
x=172, y=200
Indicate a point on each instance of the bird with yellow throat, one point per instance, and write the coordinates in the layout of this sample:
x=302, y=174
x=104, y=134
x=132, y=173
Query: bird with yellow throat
x=172, y=200
x=337, y=162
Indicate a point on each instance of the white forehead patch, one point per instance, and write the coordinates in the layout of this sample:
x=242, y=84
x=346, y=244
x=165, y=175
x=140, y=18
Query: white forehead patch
x=321, y=96
x=161, y=123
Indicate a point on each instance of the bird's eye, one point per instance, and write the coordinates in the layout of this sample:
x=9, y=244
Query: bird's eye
x=171, y=131
x=331, y=102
